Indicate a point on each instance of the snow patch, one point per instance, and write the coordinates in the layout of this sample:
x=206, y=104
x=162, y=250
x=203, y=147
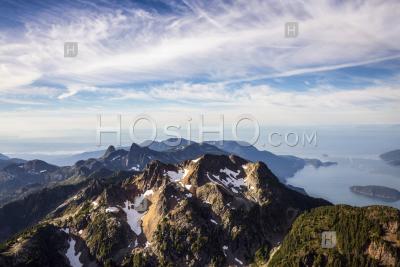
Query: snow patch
x=177, y=198
x=95, y=204
x=238, y=261
x=148, y=193
x=189, y=195
x=62, y=205
x=175, y=176
x=43, y=171
x=196, y=160
x=231, y=180
x=178, y=176
x=213, y=221
x=115, y=158
x=133, y=217
x=72, y=255
x=188, y=186
x=224, y=248
x=112, y=209
x=230, y=173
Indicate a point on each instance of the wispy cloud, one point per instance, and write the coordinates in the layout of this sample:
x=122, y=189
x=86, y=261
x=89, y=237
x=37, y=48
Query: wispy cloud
x=319, y=106
x=217, y=42
x=202, y=53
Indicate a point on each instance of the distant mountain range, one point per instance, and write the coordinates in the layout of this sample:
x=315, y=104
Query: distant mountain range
x=392, y=157
x=281, y=165
x=19, y=178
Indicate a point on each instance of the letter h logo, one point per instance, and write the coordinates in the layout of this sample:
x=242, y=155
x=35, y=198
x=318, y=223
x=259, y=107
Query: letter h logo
x=328, y=239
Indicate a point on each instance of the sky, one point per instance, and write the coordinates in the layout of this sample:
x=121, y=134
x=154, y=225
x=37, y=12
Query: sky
x=179, y=59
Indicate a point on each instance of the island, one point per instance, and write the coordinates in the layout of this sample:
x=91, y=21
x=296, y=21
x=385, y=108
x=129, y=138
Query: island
x=377, y=192
x=392, y=157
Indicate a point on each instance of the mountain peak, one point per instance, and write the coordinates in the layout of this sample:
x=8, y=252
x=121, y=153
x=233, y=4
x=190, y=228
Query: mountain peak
x=178, y=141
x=135, y=146
x=109, y=150
x=3, y=157
x=153, y=175
x=39, y=165
x=217, y=161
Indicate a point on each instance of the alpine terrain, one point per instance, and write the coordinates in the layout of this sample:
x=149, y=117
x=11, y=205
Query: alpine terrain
x=144, y=207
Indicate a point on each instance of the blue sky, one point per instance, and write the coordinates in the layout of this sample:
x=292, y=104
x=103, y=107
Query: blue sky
x=175, y=58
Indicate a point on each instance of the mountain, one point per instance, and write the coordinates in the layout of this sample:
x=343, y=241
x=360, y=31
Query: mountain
x=212, y=210
x=151, y=146
x=168, y=144
x=368, y=236
x=20, y=214
x=392, y=157
x=22, y=178
x=137, y=157
x=5, y=161
x=68, y=160
x=281, y=165
x=17, y=181
x=378, y=192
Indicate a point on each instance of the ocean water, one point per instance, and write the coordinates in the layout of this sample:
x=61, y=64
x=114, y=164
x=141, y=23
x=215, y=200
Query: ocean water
x=332, y=183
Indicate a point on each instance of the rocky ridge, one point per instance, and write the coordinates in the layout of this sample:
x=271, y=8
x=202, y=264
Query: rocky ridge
x=215, y=209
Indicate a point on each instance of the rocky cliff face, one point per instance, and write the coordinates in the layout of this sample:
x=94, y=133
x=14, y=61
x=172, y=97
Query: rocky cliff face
x=213, y=210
